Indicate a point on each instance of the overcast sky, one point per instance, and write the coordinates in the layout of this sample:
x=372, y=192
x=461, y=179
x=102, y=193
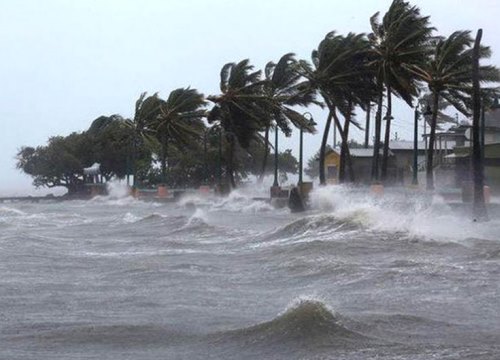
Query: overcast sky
x=63, y=63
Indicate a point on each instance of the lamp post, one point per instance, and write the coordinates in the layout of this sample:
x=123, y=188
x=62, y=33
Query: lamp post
x=301, y=146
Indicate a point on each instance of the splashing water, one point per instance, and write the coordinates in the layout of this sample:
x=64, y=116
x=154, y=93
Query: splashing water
x=118, y=189
x=418, y=215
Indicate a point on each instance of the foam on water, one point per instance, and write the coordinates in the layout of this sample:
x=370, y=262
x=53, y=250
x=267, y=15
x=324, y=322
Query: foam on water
x=8, y=211
x=211, y=278
x=239, y=201
x=118, y=195
x=118, y=189
x=198, y=216
x=130, y=218
x=417, y=215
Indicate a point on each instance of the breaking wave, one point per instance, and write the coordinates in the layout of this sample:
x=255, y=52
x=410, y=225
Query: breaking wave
x=239, y=202
x=417, y=214
x=8, y=212
x=305, y=321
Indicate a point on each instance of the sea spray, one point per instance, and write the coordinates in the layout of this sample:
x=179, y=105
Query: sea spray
x=117, y=189
x=417, y=214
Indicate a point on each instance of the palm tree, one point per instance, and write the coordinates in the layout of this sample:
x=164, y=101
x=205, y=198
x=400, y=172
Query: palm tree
x=400, y=40
x=477, y=159
x=147, y=110
x=284, y=88
x=448, y=76
x=343, y=78
x=178, y=122
x=241, y=109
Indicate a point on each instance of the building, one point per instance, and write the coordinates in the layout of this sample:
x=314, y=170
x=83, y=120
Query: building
x=362, y=165
x=403, y=153
x=459, y=162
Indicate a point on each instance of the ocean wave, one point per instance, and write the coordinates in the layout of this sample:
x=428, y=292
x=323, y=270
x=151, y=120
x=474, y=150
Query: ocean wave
x=305, y=321
x=419, y=215
x=239, y=202
x=8, y=212
x=307, y=229
x=114, y=201
x=130, y=218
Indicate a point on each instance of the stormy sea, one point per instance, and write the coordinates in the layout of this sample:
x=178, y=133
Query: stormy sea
x=356, y=277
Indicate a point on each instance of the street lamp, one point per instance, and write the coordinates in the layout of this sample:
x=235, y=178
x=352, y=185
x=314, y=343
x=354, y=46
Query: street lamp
x=311, y=123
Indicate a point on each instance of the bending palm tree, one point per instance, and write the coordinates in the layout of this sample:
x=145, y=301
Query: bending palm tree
x=179, y=122
x=400, y=40
x=146, y=111
x=448, y=75
x=284, y=89
x=241, y=109
x=344, y=80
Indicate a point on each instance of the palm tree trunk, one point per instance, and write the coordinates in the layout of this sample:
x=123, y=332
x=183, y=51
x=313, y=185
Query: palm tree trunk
x=134, y=159
x=266, y=155
x=230, y=162
x=345, y=155
x=480, y=212
x=367, y=125
x=385, y=156
x=322, y=150
x=345, y=149
x=163, y=159
x=378, y=128
x=430, y=152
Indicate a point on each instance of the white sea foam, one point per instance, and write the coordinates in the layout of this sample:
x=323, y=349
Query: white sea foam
x=118, y=194
x=419, y=215
x=239, y=201
x=130, y=218
x=8, y=211
x=198, y=216
x=118, y=189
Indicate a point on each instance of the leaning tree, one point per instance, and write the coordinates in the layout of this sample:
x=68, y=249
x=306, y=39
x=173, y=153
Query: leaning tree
x=178, y=123
x=147, y=109
x=448, y=75
x=285, y=88
x=241, y=109
x=342, y=75
x=400, y=40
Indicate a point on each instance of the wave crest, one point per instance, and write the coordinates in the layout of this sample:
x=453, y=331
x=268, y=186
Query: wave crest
x=306, y=321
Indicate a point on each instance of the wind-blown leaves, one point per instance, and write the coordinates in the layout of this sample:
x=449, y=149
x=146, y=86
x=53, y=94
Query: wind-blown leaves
x=400, y=40
x=178, y=121
x=285, y=88
x=241, y=108
x=448, y=75
x=448, y=71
